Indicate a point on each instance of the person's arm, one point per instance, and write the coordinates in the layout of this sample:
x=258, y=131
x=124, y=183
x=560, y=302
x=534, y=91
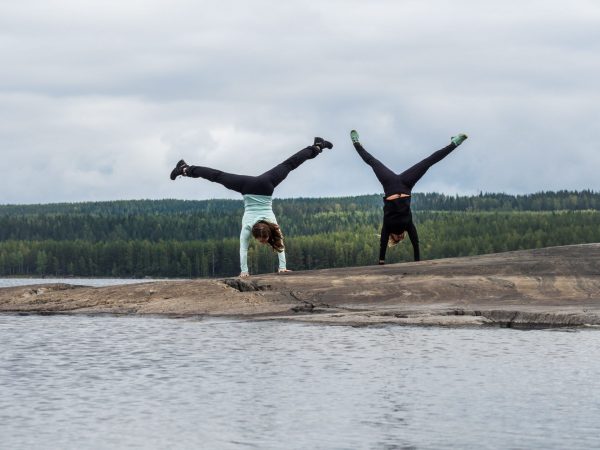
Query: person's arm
x=414, y=240
x=245, y=236
x=281, y=257
x=385, y=235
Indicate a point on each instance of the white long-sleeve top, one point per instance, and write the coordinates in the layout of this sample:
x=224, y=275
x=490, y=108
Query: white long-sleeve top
x=256, y=207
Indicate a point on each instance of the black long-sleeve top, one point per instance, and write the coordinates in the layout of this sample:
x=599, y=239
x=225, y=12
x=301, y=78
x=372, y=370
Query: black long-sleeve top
x=397, y=218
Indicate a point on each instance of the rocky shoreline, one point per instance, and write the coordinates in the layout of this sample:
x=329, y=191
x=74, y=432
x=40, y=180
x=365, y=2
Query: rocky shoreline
x=550, y=287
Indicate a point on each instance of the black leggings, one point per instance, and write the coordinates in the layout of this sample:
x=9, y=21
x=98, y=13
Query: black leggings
x=261, y=185
x=401, y=183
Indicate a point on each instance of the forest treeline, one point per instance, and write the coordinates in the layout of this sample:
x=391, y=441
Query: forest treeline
x=177, y=238
x=540, y=201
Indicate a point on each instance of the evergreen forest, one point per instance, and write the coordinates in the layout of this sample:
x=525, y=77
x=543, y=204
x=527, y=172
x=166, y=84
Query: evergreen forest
x=188, y=239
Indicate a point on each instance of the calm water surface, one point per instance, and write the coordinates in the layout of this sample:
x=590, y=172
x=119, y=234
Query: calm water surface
x=71, y=382
x=74, y=382
x=96, y=282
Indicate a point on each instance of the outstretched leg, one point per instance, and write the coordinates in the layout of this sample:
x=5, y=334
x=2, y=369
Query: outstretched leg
x=383, y=174
x=386, y=177
x=231, y=181
x=404, y=182
x=279, y=173
x=262, y=185
x=410, y=176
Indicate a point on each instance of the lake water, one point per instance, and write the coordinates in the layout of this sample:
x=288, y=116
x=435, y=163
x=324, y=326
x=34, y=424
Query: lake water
x=96, y=282
x=73, y=382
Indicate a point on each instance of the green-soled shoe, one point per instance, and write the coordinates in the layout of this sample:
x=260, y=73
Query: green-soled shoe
x=354, y=136
x=459, y=139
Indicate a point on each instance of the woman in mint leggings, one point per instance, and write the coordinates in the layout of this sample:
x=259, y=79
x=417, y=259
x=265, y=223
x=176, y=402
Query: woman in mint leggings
x=259, y=219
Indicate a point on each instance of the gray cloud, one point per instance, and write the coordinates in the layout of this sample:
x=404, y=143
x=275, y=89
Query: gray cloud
x=98, y=100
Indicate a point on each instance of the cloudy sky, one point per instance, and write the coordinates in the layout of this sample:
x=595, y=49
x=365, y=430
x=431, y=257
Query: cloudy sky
x=99, y=99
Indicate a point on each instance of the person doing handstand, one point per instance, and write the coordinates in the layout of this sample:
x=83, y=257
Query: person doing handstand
x=397, y=216
x=258, y=220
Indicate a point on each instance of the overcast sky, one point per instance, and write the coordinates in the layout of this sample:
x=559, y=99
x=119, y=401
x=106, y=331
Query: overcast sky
x=99, y=99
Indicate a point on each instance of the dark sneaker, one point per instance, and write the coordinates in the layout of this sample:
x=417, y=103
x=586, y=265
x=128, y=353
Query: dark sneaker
x=354, y=136
x=178, y=170
x=322, y=143
x=459, y=139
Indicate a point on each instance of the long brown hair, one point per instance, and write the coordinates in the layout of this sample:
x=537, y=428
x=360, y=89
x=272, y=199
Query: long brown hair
x=271, y=232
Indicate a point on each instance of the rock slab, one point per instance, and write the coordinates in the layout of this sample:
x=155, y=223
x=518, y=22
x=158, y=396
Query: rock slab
x=550, y=287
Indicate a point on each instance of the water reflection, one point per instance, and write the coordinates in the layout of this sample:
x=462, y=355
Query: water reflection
x=105, y=382
x=95, y=282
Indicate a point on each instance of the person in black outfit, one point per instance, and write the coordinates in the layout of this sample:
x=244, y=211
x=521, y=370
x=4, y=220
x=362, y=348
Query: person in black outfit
x=397, y=216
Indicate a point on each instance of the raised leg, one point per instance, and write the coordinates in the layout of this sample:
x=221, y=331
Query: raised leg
x=231, y=181
x=410, y=176
x=278, y=173
x=385, y=176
